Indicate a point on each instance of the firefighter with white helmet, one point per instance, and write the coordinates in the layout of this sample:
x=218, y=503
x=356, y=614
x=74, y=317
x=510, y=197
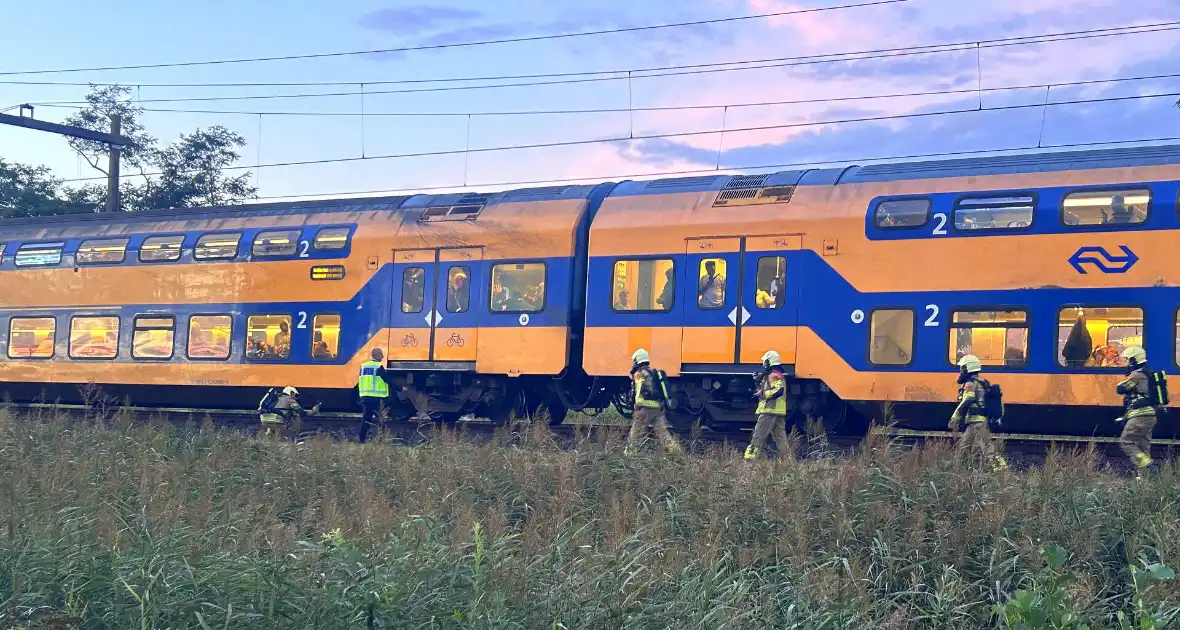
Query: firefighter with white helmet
x=281, y=413
x=651, y=397
x=771, y=392
x=972, y=412
x=1140, y=399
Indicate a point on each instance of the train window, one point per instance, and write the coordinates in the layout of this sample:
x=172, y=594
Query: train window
x=458, y=289
x=39, y=255
x=1003, y=212
x=711, y=285
x=276, y=243
x=217, y=246
x=1106, y=207
x=2, y=252
x=998, y=338
x=209, y=336
x=771, y=282
x=31, y=337
x=413, y=289
x=325, y=337
x=891, y=337
x=644, y=285
x=94, y=337
x=109, y=251
x=902, y=213
x=331, y=239
x=1095, y=337
x=153, y=337
x=161, y=248
x=268, y=337
x=518, y=288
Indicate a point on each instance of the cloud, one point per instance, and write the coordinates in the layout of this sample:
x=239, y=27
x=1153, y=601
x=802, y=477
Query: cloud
x=416, y=19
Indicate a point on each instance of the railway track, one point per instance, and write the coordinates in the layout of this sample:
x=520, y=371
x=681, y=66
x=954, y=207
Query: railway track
x=1023, y=449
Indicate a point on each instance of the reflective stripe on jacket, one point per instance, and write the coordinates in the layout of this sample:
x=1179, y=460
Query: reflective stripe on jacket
x=772, y=395
x=371, y=385
x=645, y=394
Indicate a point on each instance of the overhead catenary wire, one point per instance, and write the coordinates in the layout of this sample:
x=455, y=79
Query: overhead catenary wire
x=679, y=134
x=693, y=69
x=745, y=167
x=468, y=44
x=662, y=108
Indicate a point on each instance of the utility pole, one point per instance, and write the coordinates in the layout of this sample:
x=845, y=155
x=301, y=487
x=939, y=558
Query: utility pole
x=113, y=166
x=113, y=140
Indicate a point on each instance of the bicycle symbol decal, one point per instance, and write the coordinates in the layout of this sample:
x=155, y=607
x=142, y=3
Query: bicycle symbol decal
x=410, y=341
x=455, y=340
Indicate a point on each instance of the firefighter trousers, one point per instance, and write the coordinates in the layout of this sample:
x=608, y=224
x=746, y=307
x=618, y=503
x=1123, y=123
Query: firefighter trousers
x=976, y=443
x=1136, y=438
x=654, y=417
x=768, y=425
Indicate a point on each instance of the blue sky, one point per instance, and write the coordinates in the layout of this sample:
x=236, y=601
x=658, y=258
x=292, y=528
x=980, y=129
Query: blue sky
x=39, y=35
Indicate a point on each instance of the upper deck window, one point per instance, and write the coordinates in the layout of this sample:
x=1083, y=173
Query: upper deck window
x=902, y=213
x=1106, y=207
x=276, y=243
x=161, y=248
x=2, y=245
x=39, y=255
x=1001, y=212
x=108, y=251
x=331, y=239
x=217, y=246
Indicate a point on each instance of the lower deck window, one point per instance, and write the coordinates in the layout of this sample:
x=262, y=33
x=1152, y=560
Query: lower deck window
x=325, y=337
x=209, y=336
x=1095, y=337
x=268, y=337
x=153, y=338
x=94, y=337
x=31, y=337
x=891, y=337
x=644, y=285
x=998, y=338
x=518, y=288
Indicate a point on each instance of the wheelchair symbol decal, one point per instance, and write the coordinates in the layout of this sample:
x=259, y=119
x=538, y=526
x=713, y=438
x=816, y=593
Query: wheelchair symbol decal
x=455, y=341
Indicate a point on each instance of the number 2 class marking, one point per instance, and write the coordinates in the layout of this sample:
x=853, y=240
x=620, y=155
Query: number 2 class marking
x=940, y=224
x=302, y=320
x=933, y=319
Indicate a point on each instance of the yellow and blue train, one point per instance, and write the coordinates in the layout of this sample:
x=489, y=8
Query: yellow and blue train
x=869, y=281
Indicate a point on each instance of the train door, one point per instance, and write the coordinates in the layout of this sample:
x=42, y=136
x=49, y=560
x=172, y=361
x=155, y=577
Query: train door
x=458, y=295
x=411, y=320
x=743, y=301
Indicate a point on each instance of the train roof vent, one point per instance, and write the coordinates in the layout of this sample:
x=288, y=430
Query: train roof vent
x=473, y=199
x=528, y=194
x=753, y=196
x=681, y=182
x=747, y=181
x=463, y=211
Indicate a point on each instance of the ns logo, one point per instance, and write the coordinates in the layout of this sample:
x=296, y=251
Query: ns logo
x=1097, y=258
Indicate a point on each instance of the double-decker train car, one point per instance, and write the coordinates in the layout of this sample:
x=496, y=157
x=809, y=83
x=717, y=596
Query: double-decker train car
x=869, y=281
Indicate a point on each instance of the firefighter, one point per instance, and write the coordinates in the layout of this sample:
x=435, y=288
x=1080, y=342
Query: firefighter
x=772, y=407
x=651, y=395
x=972, y=411
x=284, y=415
x=1139, y=399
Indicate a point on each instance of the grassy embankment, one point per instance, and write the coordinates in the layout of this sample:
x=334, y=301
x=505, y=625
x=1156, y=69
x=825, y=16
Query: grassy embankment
x=125, y=525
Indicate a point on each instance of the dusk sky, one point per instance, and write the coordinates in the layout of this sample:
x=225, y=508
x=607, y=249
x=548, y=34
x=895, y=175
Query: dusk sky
x=73, y=34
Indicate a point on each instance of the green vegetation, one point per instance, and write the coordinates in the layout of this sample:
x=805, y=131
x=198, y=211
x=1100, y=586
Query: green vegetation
x=134, y=525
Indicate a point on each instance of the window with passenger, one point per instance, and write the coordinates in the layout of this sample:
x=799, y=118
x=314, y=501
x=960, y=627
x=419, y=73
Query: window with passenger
x=161, y=248
x=275, y=243
x=1106, y=207
x=891, y=337
x=413, y=289
x=325, y=337
x=458, y=289
x=31, y=337
x=771, y=281
x=268, y=337
x=998, y=338
x=711, y=284
x=901, y=213
x=1000, y=212
x=209, y=336
x=1095, y=337
x=107, y=251
x=94, y=337
x=518, y=288
x=644, y=285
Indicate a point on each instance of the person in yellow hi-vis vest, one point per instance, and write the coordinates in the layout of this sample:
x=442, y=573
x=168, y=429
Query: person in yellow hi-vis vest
x=772, y=407
x=651, y=395
x=373, y=386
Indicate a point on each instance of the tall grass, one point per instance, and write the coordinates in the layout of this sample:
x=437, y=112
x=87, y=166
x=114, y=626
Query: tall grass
x=134, y=524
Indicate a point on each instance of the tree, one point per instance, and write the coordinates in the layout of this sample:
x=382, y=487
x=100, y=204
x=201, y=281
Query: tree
x=187, y=173
x=28, y=191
